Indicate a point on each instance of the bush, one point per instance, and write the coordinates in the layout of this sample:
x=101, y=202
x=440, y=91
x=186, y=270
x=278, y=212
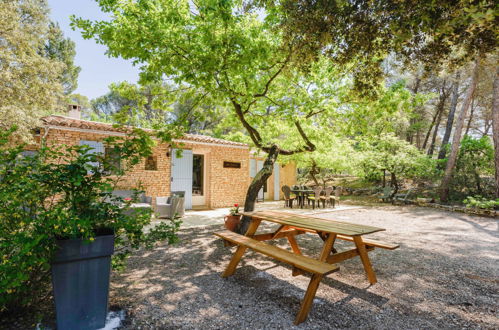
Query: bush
x=65, y=193
x=400, y=159
x=474, y=163
x=481, y=203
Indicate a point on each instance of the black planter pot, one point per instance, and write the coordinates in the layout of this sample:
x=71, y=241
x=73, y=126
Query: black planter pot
x=80, y=281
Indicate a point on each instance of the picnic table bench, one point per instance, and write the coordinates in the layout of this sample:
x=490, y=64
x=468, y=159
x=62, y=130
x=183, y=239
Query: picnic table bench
x=292, y=225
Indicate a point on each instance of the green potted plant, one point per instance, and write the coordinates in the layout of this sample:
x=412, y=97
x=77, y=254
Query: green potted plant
x=232, y=220
x=61, y=210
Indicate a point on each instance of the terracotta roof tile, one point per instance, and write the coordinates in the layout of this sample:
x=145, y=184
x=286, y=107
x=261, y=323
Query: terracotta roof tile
x=56, y=120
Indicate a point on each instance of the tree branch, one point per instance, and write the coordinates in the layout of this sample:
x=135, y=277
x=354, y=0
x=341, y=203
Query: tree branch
x=267, y=85
x=254, y=135
x=311, y=113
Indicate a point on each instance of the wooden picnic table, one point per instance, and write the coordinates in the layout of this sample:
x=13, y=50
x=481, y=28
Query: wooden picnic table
x=294, y=224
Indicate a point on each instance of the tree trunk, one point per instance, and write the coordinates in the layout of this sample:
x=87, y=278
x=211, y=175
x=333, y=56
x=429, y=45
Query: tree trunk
x=435, y=132
x=427, y=136
x=394, y=184
x=412, y=122
x=471, y=117
x=257, y=184
x=436, y=120
x=451, y=162
x=450, y=118
x=313, y=172
x=495, y=127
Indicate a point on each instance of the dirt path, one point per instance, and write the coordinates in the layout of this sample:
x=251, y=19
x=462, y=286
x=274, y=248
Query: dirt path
x=445, y=275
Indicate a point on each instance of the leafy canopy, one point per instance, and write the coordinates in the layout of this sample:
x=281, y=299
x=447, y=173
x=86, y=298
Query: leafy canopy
x=234, y=53
x=398, y=157
x=30, y=81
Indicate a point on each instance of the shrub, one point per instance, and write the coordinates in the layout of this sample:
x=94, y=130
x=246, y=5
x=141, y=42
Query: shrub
x=474, y=163
x=60, y=193
x=400, y=159
x=481, y=203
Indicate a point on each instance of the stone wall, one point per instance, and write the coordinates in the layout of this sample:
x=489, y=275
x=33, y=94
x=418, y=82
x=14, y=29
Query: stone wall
x=228, y=185
x=223, y=186
x=153, y=182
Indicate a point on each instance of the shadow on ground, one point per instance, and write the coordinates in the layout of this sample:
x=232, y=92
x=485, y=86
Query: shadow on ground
x=443, y=276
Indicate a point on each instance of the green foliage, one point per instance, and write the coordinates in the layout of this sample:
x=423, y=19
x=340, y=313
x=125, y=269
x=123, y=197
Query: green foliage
x=61, y=193
x=475, y=160
x=423, y=31
x=62, y=49
x=233, y=54
x=390, y=113
x=481, y=203
x=154, y=104
x=396, y=156
x=30, y=81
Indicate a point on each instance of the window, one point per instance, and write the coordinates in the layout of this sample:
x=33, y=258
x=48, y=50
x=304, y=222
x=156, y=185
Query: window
x=113, y=160
x=197, y=175
x=151, y=163
x=29, y=153
x=95, y=147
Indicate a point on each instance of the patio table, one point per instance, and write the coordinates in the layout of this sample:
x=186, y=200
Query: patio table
x=302, y=195
x=293, y=224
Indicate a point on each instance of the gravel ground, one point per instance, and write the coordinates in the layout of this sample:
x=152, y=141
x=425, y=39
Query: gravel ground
x=444, y=275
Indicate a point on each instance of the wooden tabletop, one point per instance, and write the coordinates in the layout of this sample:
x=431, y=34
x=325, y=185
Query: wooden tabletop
x=313, y=223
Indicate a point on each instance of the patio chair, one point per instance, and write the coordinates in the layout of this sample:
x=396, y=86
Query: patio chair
x=337, y=195
x=402, y=197
x=181, y=203
x=386, y=194
x=288, y=196
x=327, y=196
x=315, y=197
x=167, y=207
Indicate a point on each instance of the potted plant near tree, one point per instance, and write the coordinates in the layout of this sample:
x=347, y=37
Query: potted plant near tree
x=232, y=220
x=77, y=224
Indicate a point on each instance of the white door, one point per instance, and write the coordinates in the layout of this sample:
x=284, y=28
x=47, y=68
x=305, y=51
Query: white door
x=276, y=182
x=182, y=175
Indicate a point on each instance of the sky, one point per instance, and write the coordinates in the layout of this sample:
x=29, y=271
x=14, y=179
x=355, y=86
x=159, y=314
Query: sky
x=98, y=70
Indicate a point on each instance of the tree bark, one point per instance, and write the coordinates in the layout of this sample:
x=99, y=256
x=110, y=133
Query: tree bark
x=410, y=133
x=495, y=127
x=257, y=184
x=428, y=133
x=450, y=118
x=431, y=149
x=471, y=117
x=394, y=184
x=451, y=162
x=436, y=119
x=313, y=172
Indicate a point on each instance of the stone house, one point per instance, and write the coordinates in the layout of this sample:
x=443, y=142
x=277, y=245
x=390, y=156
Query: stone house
x=212, y=172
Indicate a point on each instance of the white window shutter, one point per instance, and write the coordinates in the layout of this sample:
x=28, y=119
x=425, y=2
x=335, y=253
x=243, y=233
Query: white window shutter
x=252, y=166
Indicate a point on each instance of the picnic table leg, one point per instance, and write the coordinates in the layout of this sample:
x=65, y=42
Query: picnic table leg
x=294, y=244
x=308, y=299
x=361, y=247
x=314, y=282
x=231, y=267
